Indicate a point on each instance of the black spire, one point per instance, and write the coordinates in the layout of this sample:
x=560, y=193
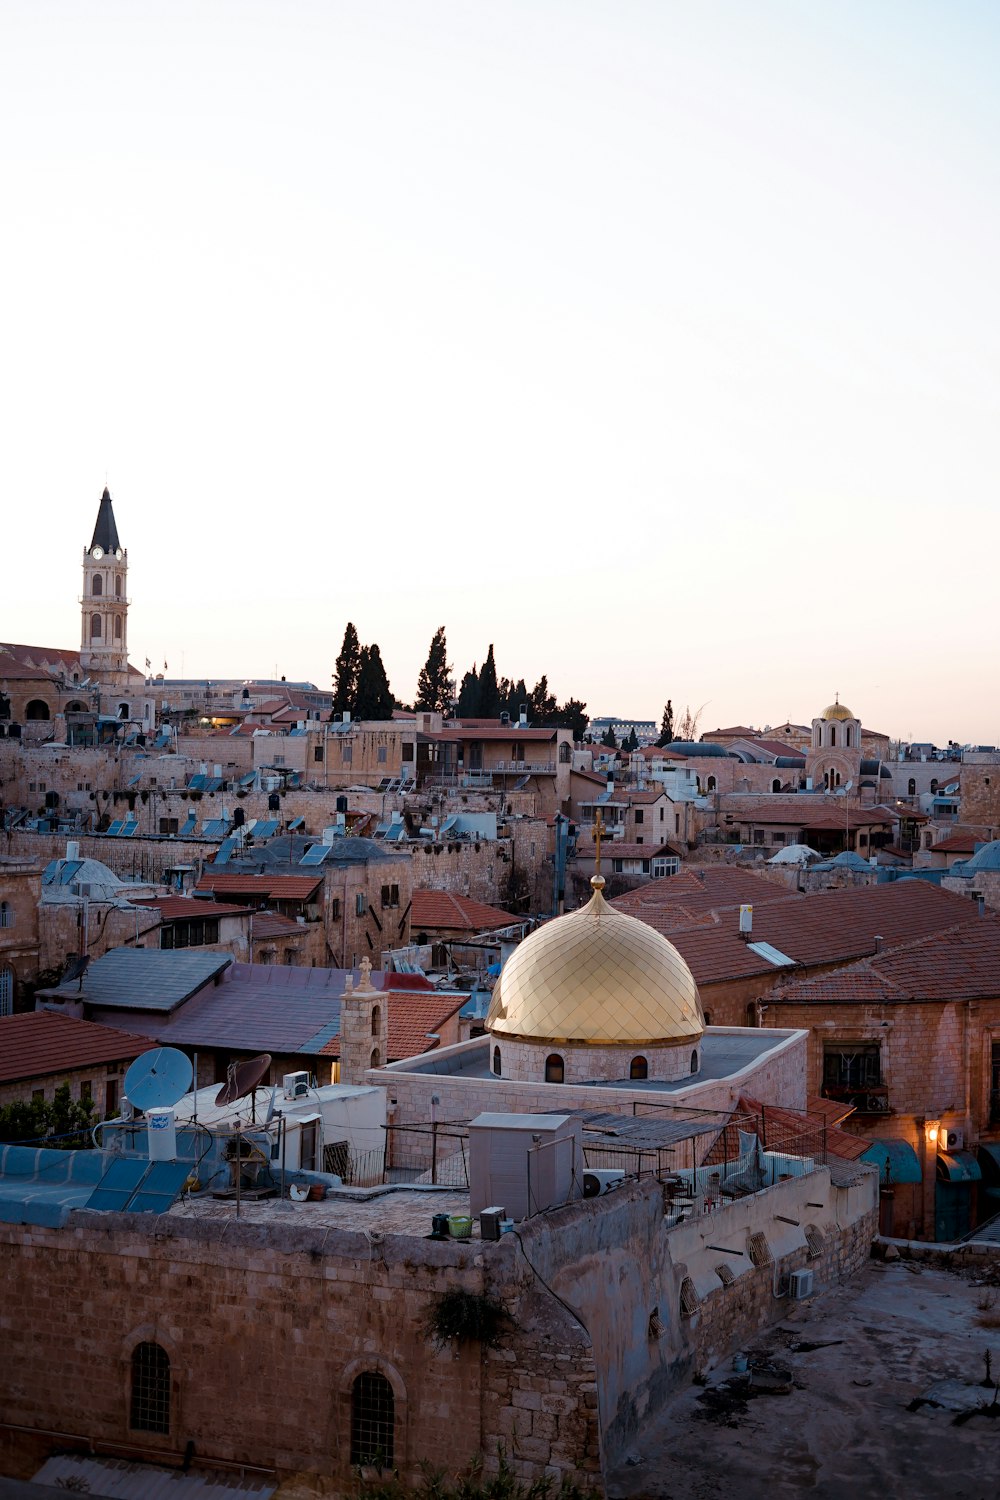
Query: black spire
x=106, y=532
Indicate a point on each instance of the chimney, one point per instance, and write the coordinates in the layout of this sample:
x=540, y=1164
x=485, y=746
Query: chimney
x=878, y=942
x=981, y=903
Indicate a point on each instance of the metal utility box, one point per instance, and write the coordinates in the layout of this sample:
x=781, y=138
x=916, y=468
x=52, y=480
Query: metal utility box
x=526, y=1162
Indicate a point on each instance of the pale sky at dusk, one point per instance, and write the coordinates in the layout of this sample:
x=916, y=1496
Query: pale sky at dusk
x=657, y=343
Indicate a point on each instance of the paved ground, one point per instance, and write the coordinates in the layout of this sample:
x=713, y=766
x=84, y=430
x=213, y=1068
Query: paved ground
x=844, y=1431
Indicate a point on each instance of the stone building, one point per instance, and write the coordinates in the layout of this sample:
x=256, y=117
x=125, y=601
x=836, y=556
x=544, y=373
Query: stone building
x=20, y=894
x=40, y=1051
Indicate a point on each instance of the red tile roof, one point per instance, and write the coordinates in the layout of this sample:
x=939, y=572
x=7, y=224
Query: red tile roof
x=622, y=849
x=956, y=843
x=271, y=887
x=271, y=924
x=41, y=1043
x=959, y=963
x=413, y=1019
x=179, y=908
x=441, y=909
x=802, y=1133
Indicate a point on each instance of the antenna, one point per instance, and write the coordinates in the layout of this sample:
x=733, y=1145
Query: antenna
x=157, y=1079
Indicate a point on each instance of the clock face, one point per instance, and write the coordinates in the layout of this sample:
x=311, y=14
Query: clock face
x=98, y=552
x=118, y=553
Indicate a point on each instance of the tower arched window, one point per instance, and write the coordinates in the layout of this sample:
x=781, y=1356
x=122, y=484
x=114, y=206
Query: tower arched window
x=712, y=784
x=373, y=1420
x=833, y=735
x=848, y=736
x=555, y=1069
x=95, y=627
x=694, y=1061
x=149, y=1407
x=638, y=1068
x=934, y=785
x=496, y=1061
x=118, y=627
x=374, y=1061
x=118, y=585
x=97, y=585
x=376, y=1019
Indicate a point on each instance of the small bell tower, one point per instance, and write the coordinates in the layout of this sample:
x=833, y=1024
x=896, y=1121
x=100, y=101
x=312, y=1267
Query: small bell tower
x=364, y=1027
x=104, y=602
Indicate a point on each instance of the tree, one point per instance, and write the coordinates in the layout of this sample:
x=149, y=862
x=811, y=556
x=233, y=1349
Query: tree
x=345, y=674
x=687, y=729
x=468, y=695
x=572, y=715
x=542, y=704
x=489, y=692
x=666, y=725
x=608, y=738
x=632, y=741
x=434, y=683
x=374, y=698
x=63, y=1122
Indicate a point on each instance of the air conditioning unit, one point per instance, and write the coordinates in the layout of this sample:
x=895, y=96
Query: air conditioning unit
x=597, y=1183
x=800, y=1285
x=295, y=1085
x=954, y=1140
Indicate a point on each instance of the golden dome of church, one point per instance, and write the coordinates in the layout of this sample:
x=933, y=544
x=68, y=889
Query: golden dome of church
x=597, y=984
x=836, y=710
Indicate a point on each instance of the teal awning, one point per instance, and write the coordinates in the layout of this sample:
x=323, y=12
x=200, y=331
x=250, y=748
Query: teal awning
x=989, y=1159
x=896, y=1161
x=958, y=1166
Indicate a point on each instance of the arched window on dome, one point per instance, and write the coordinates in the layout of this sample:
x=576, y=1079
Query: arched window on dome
x=555, y=1069
x=97, y=585
x=694, y=1061
x=638, y=1068
x=848, y=736
x=911, y=787
x=496, y=1061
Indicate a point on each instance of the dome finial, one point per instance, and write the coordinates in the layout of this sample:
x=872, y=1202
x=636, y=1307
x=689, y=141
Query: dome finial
x=599, y=829
x=597, y=882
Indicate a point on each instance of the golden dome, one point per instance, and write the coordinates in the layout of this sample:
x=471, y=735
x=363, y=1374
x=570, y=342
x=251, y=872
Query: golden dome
x=837, y=710
x=597, y=976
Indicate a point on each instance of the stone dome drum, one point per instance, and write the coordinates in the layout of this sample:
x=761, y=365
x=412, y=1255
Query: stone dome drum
x=597, y=978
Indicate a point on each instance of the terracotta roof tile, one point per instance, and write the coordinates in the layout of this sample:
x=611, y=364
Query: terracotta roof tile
x=270, y=887
x=41, y=1043
x=178, y=908
x=442, y=909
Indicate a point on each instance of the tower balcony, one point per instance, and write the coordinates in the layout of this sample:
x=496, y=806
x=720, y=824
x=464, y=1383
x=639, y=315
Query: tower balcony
x=110, y=601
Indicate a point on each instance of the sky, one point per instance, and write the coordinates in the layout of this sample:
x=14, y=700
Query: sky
x=656, y=343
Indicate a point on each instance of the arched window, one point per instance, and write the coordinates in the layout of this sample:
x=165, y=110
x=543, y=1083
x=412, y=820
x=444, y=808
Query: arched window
x=6, y=991
x=123, y=710
x=847, y=736
x=376, y=1019
x=76, y=707
x=37, y=709
x=708, y=1018
x=911, y=787
x=833, y=735
x=776, y=784
x=711, y=784
x=638, y=1068
x=373, y=1420
x=934, y=785
x=836, y=778
x=149, y=1409
x=6, y=914
x=555, y=1070
x=752, y=1013
x=118, y=585
x=118, y=627
x=97, y=585
x=95, y=627
x=694, y=1061
x=496, y=1061
x=565, y=754
x=374, y=1063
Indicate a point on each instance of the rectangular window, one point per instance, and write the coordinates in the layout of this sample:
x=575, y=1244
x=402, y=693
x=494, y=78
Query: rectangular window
x=663, y=812
x=408, y=752
x=390, y=896
x=677, y=822
x=317, y=752
x=383, y=754
x=777, y=838
x=37, y=1096
x=995, y=1083
x=86, y=1091
x=347, y=754
x=852, y=1072
x=639, y=815
x=168, y=825
x=335, y=909
x=360, y=904
x=758, y=835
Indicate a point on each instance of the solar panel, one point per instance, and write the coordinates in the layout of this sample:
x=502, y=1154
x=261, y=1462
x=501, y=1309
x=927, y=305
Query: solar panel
x=265, y=828
x=160, y=1187
x=226, y=848
x=215, y=828
x=130, y=829
x=315, y=855
x=117, y=826
x=118, y=1184
x=296, y=823
x=134, y=780
x=197, y=783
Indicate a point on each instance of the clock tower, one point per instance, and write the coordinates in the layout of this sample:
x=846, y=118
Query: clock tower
x=104, y=603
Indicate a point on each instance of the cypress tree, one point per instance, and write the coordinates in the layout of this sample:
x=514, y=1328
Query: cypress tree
x=345, y=674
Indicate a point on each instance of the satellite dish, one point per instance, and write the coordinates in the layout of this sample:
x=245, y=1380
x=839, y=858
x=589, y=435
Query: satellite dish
x=158, y=1079
x=242, y=1078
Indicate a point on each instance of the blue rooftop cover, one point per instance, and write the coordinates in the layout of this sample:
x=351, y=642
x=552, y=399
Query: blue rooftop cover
x=896, y=1161
x=958, y=1166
